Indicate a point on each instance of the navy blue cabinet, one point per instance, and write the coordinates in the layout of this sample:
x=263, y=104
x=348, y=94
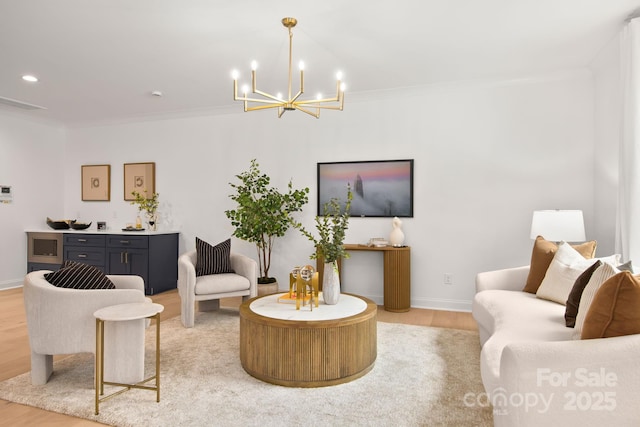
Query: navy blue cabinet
x=154, y=257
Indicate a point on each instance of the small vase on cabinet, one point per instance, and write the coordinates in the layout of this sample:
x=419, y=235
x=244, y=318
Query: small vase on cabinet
x=331, y=283
x=152, y=220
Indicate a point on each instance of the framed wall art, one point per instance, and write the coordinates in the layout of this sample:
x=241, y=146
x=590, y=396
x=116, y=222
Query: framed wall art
x=96, y=183
x=139, y=177
x=381, y=188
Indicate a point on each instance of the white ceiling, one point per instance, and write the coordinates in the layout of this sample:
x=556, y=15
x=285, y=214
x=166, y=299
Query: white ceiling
x=99, y=60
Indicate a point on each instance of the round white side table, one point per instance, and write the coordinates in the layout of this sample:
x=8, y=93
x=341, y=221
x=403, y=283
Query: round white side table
x=123, y=313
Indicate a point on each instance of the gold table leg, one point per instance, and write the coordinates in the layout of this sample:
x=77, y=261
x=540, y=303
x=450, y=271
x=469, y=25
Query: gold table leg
x=99, y=367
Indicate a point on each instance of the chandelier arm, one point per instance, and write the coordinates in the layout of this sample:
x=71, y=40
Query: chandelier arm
x=318, y=101
x=281, y=111
x=263, y=107
x=296, y=97
x=263, y=101
x=325, y=106
x=328, y=107
x=267, y=95
x=304, y=110
x=318, y=106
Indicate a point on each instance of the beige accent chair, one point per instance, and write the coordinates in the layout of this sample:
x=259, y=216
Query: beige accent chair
x=207, y=290
x=61, y=321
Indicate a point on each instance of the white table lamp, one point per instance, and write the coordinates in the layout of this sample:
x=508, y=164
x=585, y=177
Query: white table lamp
x=558, y=225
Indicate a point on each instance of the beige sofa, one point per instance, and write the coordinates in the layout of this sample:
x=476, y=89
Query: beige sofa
x=61, y=321
x=535, y=374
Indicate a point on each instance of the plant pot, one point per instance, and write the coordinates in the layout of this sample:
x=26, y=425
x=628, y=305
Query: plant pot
x=267, y=288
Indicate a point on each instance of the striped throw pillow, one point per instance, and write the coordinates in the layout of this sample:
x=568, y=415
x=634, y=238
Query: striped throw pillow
x=600, y=276
x=77, y=275
x=213, y=259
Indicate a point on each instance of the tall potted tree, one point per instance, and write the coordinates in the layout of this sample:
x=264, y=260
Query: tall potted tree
x=263, y=213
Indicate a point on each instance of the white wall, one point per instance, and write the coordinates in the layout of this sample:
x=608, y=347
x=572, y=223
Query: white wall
x=31, y=162
x=486, y=155
x=607, y=124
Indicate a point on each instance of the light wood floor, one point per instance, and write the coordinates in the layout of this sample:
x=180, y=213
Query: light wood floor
x=15, y=353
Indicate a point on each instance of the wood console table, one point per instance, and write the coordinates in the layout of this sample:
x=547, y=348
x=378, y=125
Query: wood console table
x=397, y=274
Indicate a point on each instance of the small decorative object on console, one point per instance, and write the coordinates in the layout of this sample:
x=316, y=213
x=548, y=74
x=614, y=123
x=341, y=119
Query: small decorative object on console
x=378, y=242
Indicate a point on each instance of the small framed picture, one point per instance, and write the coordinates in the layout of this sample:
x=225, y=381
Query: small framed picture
x=96, y=183
x=139, y=177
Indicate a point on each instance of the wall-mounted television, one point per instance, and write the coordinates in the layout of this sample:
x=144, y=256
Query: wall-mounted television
x=381, y=188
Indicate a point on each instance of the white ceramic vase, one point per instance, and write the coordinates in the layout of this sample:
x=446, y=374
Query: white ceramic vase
x=331, y=283
x=152, y=220
x=396, y=238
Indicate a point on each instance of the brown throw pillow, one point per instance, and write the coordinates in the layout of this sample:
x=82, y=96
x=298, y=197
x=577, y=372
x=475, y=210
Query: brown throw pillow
x=542, y=255
x=573, y=301
x=614, y=311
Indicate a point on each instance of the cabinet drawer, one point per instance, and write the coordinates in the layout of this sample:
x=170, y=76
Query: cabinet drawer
x=89, y=255
x=120, y=241
x=84, y=240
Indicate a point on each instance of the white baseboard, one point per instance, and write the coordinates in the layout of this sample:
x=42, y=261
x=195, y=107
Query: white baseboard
x=10, y=284
x=430, y=303
x=442, y=304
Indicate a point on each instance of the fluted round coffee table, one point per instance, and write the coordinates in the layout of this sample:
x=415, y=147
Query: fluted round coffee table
x=333, y=344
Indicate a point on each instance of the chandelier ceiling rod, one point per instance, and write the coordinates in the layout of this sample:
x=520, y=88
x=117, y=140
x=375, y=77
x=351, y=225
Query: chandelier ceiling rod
x=311, y=106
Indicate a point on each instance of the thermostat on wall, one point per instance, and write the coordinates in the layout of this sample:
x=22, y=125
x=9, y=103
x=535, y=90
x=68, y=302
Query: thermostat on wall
x=5, y=194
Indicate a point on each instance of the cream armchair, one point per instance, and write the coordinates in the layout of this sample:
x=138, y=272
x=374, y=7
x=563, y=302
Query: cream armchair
x=61, y=321
x=207, y=290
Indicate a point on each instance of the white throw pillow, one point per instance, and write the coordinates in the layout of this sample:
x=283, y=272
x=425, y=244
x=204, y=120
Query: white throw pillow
x=611, y=259
x=566, y=266
x=601, y=275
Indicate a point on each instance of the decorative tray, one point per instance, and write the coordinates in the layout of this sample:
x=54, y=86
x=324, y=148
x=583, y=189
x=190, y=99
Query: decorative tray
x=133, y=229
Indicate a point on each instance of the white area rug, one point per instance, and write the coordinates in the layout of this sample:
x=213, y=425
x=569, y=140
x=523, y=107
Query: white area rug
x=419, y=379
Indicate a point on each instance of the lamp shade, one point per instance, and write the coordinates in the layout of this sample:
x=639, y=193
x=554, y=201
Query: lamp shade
x=558, y=225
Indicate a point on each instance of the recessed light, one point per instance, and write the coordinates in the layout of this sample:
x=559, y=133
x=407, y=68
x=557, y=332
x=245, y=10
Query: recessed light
x=29, y=78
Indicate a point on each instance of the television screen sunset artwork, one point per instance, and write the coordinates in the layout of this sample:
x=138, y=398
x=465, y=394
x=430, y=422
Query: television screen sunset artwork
x=380, y=188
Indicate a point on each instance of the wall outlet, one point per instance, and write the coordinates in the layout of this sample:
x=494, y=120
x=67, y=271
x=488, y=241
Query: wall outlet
x=448, y=279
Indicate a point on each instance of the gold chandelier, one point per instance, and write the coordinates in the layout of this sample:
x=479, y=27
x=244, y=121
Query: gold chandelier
x=311, y=107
